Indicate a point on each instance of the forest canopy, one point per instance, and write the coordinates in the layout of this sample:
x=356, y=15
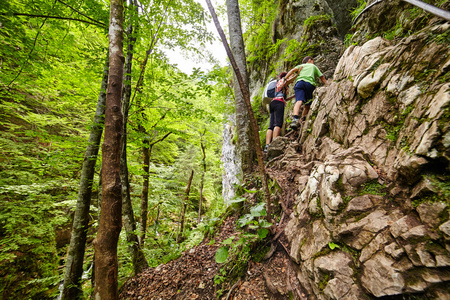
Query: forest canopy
x=53, y=56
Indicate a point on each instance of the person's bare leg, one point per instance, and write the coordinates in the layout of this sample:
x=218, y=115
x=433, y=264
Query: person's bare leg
x=297, y=106
x=269, y=136
x=276, y=132
x=306, y=110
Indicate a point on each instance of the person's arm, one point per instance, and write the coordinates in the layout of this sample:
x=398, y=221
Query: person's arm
x=291, y=97
x=322, y=78
x=291, y=72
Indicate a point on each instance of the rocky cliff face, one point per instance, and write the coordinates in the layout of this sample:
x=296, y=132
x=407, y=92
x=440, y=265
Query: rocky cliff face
x=372, y=218
x=372, y=215
x=318, y=37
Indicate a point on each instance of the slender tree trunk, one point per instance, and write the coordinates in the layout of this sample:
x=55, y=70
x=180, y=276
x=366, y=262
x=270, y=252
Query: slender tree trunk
x=157, y=218
x=129, y=223
x=99, y=204
x=74, y=264
x=244, y=134
x=183, y=208
x=106, y=267
x=203, y=178
x=144, y=195
x=244, y=90
x=147, y=150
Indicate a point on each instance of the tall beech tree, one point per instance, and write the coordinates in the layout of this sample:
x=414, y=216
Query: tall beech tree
x=244, y=90
x=75, y=256
x=129, y=223
x=244, y=134
x=106, y=267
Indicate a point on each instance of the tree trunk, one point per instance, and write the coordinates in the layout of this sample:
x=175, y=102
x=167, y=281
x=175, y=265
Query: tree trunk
x=203, y=178
x=244, y=134
x=74, y=264
x=106, y=267
x=157, y=218
x=144, y=195
x=244, y=90
x=129, y=223
x=147, y=150
x=183, y=208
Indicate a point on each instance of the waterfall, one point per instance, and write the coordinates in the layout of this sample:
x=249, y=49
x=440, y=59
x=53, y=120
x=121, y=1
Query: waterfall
x=230, y=160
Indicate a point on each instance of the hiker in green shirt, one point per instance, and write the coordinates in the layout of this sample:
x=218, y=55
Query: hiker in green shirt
x=307, y=73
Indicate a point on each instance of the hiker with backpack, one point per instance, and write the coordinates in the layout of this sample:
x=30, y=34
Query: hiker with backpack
x=307, y=73
x=276, y=107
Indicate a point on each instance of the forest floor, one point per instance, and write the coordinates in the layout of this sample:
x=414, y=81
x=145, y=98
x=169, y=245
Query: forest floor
x=192, y=275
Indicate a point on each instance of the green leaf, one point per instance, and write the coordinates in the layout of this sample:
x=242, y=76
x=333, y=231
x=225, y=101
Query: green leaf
x=245, y=220
x=221, y=255
x=263, y=223
x=333, y=245
x=237, y=200
x=250, y=191
x=258, y=210
x=262, y=232
x=228, y=241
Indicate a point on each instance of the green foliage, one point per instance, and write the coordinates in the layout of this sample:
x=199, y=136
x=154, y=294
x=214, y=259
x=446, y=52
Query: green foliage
x=323, y=283
x=49, y=84
x=221, y=255
x=259, y=17
x=314, y=19
x=442, y=38
x=373, y=187
x=28, y=218
x=440, y=192
x=359, y=9
x=333, y=245
x=237, y=250
x=394, y=33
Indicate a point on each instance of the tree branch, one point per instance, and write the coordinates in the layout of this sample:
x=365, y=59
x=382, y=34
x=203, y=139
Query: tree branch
x=75, y=10
x=29, y=54
x=97, y=23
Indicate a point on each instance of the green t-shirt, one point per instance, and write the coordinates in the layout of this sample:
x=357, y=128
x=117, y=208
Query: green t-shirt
x=309, y=73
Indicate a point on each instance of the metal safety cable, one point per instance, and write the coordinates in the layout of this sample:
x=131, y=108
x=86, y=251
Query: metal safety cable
x=425, y=6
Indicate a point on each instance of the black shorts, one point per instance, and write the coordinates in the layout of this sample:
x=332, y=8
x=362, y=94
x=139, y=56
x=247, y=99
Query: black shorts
x=304, y=92
x=276, y=114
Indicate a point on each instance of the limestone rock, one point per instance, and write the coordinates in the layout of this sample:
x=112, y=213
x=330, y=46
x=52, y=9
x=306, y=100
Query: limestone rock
x=314, y=241
x=429, y=213
x=403, y=225
x=368, y=83
x=358, y=234
x=410, y=166
x=445, y=228
x=359, y=204
x=377, y=122
x=375, y=245
x=380, y=279
x=277, y=147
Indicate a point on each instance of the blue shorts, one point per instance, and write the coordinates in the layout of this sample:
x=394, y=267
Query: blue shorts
x=304, y=92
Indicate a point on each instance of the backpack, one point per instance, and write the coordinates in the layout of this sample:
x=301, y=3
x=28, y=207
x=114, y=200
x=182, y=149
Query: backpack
x=280, y=85
x=269, y=91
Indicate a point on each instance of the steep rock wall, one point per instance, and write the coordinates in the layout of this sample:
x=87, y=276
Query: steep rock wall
x=323, y=38
x=372, y=218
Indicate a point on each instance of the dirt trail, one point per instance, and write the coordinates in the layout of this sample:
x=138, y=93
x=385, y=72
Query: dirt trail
x=192, y=275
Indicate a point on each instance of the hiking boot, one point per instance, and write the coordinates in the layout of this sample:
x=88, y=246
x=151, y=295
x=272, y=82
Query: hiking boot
x=266, y=148
x=295, y=124
x=303, y=119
